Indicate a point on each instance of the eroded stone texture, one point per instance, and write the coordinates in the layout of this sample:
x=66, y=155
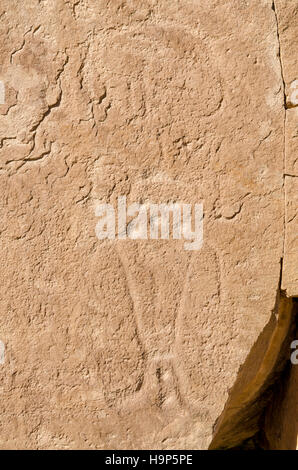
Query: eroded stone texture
x=291, y=142
x=134, y=344
x=287, y=16
x=290, y=271
x=260, y=381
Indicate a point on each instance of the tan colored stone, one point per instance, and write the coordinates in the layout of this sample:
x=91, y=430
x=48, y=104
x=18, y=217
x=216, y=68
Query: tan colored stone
x=287, y=15
x=134, y=344
x=290, y=267
x=291, y=142
x=240, y=425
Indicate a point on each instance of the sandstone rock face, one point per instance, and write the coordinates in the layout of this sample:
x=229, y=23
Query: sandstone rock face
x=287, y=14
x=136, y=343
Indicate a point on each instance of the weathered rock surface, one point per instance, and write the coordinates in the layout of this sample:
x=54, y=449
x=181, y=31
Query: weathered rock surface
x=137, y=343
x=290, y=271
x=287, y=14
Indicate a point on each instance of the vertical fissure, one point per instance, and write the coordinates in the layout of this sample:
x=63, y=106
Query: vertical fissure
x=274, y=8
